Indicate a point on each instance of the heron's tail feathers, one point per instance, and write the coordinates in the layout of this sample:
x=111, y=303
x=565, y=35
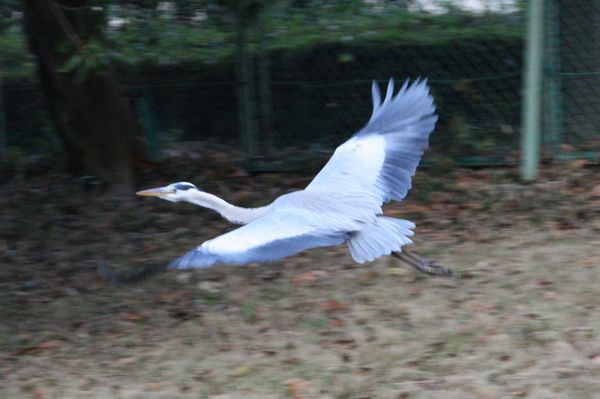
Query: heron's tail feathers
x=383, y=237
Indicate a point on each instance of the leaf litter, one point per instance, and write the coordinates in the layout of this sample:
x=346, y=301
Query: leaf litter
x=525, y=322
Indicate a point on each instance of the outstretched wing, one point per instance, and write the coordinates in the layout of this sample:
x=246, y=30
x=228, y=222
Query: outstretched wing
x=273, y=236
x=383, y=156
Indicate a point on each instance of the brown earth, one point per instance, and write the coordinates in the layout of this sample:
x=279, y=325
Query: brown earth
x=522, y=322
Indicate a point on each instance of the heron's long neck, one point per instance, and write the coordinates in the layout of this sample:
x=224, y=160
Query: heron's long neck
x=234, y=214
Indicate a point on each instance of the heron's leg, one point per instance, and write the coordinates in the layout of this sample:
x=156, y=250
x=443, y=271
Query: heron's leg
x=424, y=265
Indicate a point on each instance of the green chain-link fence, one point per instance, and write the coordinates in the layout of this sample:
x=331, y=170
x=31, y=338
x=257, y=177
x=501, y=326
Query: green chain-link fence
x=312, y=97
x=572, y=76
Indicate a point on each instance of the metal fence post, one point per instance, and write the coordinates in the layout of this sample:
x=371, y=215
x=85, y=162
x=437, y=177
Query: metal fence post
x=149, y=124
x=532, y=91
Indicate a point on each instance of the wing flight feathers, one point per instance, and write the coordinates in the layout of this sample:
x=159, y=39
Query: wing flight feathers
x=381, y=158
x=271, y=237
x=376, y=94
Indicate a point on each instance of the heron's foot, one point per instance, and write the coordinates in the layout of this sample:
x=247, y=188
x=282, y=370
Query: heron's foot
x=425, y=265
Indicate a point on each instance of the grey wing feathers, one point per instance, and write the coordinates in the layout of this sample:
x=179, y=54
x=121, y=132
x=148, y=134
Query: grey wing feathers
x=411, y=105
x=271, y=237
x=194, y=259
x=201, y=258
x=406, y=120
x=383, y=156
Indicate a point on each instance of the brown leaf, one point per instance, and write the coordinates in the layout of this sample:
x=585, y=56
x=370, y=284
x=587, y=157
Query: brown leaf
x=367, y=275
x=51, y=344
x=578, y=163
x=134, y=316
x=153, y=385
x=465, y=182
x=309, y=276
x=348, y=343
x=167, y=296
x=40, y=392
x=484, y=393
x=270, y=275
x=224, y=347
x=415, y=208
x=591, y=261
x=333, y=306
x=567, y=148
x=544, y=281
x=292, y=360
x=296, y=387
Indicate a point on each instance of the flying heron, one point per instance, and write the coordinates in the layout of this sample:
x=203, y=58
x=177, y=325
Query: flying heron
x=341, y=204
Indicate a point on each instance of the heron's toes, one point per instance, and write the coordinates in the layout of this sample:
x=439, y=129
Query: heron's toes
x=437, y=269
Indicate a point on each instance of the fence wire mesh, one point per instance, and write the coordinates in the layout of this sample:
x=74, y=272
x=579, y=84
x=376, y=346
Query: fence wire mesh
x=572, y=74
x=313, y=97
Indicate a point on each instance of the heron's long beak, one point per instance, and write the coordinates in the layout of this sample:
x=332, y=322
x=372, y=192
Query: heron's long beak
x=153, y=192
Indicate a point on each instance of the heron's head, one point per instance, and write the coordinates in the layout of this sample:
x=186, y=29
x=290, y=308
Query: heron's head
x=173, y=192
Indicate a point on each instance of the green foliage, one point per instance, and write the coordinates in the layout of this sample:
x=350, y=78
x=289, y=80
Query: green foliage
x=185, y=54
x=90, y=57
x=204, y=31
x=15, y=61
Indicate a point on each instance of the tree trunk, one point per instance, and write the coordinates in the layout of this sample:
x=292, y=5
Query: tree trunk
x=98, y=127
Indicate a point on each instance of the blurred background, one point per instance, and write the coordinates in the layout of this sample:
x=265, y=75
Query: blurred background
x=267, y=78
x=247, y=99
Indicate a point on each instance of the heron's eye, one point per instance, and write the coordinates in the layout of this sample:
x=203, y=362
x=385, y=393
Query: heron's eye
x=184, y=186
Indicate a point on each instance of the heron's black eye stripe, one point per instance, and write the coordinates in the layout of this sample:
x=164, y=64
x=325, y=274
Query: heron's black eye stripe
x=184, y=187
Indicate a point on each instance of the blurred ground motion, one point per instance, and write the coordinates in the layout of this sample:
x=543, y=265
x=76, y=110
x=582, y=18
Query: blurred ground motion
x=246, y=99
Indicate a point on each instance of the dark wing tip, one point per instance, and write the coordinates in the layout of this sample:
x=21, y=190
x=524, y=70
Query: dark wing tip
x=195, y=259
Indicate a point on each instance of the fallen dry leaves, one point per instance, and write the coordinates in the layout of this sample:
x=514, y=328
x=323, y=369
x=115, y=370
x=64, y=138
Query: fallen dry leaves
x=320, y=304
x=51, y=344
x=309, y=277
x=333, y=306
x=297, y=388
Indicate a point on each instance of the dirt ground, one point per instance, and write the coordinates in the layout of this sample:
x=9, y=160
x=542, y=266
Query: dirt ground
x=522, y=322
